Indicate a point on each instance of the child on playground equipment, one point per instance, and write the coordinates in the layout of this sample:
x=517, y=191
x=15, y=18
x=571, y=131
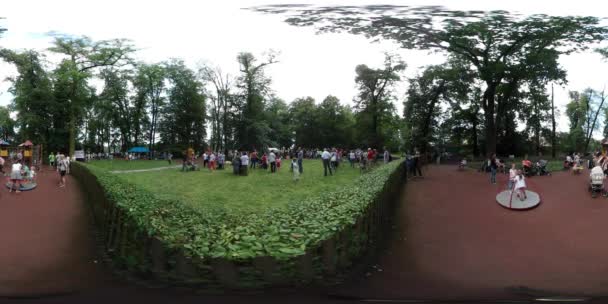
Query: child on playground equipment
x=520, y=186
x=512, y=176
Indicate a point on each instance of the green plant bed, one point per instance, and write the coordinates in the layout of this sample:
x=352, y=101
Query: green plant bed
x=257, y=191
x=315, y=233
x=122, y=165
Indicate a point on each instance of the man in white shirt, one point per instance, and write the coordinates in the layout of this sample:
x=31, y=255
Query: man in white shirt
x=325, y=156
x=244, y=163
x=272, y=159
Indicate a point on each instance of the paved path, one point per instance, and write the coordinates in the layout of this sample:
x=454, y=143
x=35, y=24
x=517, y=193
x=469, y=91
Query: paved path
x=146, y=170
x=45, y=241
x=454, y=241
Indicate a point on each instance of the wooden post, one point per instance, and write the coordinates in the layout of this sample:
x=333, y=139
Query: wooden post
x=226, y=272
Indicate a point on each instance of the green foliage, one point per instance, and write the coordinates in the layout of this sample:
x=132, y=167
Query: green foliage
x=281, y=233
x=7, y=125
x=374, y=105
x=184, y=116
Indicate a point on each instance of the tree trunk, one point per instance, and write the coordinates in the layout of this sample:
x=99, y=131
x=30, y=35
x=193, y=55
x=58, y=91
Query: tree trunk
x=474, y=135
x=72, y=134
x=588, y=139
x=490, y=123
x=553, y=124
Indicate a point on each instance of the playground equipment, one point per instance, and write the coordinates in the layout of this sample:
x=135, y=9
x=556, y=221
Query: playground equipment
x=508, y=199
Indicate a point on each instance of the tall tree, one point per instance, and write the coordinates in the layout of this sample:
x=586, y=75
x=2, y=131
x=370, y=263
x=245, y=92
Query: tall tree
x=184, y=116
x=494, y=43
x=33, y=99
x=149, y=84
x=7, y=125
x=304, y=121
x=82, y=56
x=253, y=130
x=222, y=110
x=373, y=101
x=553, y=137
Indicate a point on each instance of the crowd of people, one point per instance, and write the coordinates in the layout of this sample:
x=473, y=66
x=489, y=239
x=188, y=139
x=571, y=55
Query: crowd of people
x=272, y=159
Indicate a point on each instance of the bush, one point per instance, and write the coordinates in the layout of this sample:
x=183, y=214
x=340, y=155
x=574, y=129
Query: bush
x=348, y=217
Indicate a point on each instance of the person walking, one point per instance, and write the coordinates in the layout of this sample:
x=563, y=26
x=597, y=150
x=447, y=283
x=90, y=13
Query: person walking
x=272, y=160
x=52, y=160
x=351, y=158
x=62, y=168
x=300, y=161
x=326, y=156
x=296, y=171
x=170, y=158
x=493, y=169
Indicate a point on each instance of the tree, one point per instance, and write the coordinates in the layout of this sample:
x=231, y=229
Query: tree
x=149, y=84
x=252, y=129
x=303, y=113
x=373, y=102
x=277, y=117
x=81, y=57
x=222, y=109
x=33, y=99
x=7, y=125
x=494, y=43
x=183, y=118
x=335, y=124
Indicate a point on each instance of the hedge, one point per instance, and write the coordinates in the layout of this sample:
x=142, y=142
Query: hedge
x=312, y=240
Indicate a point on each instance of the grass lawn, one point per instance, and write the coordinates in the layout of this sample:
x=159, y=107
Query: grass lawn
x=121, y=164
x=243, y=193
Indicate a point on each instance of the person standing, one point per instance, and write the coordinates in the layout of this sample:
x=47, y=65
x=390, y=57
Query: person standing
x=254, y=159
x=272, y=160
x=170, y=158
x=295, y=169
x=212, y=161
x=236, y=163
x=205, y=159
x=16, y=176
x=493, y=169
x=326, y=156
x=52, y=160
x=300, y=161
x=244, y=164
x=351, y=158
x=386, y=156
x=62, y=168
x=333, y=160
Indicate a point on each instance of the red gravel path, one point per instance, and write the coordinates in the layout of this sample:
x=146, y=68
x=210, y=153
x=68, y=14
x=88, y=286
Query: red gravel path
x=454, y=241
x=46, y=246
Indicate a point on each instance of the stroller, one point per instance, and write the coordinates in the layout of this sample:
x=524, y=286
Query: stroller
x=596, y=184
x=541, y=167
x=529, y=169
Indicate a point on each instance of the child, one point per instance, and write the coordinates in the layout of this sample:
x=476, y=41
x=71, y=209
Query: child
x=512, y=176
x=296, y=171
x=278, y=163
x=16, y=176
x=520, y=186
x=211, y=163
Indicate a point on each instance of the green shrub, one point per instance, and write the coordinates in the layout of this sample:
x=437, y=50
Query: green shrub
x=281, y=233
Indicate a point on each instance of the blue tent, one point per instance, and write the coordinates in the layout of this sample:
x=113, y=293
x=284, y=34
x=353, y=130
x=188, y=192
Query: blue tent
x=138, y=150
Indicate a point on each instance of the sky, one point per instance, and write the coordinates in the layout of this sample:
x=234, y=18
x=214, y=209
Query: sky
x=214, y=32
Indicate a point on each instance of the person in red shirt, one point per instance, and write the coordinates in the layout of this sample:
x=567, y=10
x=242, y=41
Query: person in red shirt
x=370, y=155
